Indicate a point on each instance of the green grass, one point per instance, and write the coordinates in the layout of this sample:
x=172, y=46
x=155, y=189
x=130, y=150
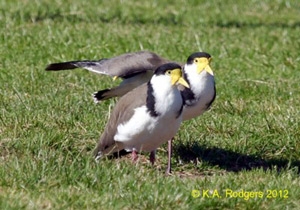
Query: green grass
x=49, y=125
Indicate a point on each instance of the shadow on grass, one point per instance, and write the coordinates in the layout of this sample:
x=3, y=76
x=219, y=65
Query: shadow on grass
x=239, y=24
x=229, y=160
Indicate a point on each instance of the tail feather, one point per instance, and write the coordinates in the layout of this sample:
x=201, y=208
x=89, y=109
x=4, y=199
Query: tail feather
x=118, y=91
x=98, y=155
x=91, y=65
x=102, y=95
x=115, y=150
x=61, y=66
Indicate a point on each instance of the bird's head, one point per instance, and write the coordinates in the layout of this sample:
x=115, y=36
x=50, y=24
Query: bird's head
x=173, y=72
x=201, y=61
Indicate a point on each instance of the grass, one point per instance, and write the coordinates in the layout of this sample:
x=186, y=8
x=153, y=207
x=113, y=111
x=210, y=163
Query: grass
x=248, y=141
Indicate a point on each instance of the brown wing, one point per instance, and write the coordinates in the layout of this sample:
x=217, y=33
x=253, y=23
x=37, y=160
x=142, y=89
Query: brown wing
x=124, y=66
x=122, y=112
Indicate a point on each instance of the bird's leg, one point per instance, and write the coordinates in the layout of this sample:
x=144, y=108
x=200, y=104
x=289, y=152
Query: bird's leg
x=168, y=171
x=152, y=157
x=134, y=155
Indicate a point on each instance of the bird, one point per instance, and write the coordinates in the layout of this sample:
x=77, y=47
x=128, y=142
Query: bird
x=145, y=117
x=201, y=94
x=137, y=68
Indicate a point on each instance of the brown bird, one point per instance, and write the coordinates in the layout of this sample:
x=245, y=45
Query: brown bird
x=145, y=117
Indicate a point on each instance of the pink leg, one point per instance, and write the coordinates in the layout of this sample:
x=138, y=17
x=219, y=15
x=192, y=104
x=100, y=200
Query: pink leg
x=168, y=171
x=134, y=155
x=152, y=157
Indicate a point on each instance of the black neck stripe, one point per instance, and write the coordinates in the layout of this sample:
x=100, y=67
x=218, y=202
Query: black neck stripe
x=187, y=94
x=150, y=101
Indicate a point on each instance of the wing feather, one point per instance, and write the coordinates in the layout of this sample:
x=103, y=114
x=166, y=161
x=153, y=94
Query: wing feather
x=123, y=66
x=122, y=113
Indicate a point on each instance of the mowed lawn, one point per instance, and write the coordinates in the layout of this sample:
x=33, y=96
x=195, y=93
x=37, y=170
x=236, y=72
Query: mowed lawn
x=242, y=154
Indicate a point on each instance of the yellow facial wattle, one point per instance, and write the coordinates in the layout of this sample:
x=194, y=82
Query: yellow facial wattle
x=203, y=64
x=176, y=77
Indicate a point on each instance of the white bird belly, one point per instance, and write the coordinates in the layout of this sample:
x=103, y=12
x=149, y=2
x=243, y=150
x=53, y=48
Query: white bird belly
x=197, y=109
x=145, y=133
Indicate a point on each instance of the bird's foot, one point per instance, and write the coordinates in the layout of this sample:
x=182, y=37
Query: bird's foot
x=168, y=171
x=134, y=156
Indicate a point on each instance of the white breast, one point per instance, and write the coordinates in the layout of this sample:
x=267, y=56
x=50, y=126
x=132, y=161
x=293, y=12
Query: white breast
x=145, y=132
x=203, y=87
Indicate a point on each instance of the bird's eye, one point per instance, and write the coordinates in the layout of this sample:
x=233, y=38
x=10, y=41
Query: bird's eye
x=168, y=72
x=196, y=60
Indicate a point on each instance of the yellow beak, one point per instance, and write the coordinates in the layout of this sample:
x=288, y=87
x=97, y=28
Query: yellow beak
x=203, y=64
x=176, y=77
